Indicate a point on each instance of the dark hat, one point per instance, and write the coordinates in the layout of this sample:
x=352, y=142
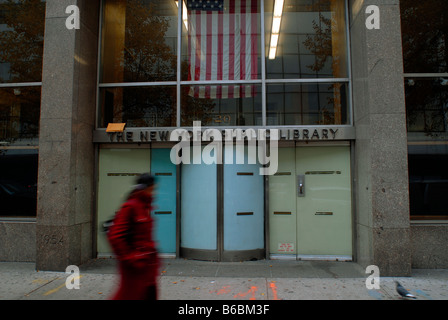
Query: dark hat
x=146, y=180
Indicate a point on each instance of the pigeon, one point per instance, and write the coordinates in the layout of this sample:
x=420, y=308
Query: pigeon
x=403, y=292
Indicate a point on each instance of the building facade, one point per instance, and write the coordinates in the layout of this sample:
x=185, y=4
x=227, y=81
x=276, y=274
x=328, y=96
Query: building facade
x=295, y=129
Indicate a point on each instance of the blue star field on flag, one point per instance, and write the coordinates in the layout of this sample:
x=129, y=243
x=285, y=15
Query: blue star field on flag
x=205, y=5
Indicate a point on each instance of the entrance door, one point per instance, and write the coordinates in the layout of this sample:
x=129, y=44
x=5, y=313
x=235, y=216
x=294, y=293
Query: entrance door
x=199, y=210
x=310, y=204
x=118, y=170
x=243, y=208
x=283, y=206
x=222, y=210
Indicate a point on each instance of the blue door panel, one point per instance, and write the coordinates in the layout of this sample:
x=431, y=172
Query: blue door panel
x=199, y=206
x=243, y=205
x=165, y=200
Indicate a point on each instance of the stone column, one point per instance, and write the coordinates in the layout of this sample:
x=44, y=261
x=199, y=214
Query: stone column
x=65, y=216
x=381, y=185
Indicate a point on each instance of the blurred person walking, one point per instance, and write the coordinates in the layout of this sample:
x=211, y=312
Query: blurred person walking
x=131, y=238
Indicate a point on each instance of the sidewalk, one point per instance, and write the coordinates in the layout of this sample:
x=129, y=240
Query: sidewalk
x=198, y=280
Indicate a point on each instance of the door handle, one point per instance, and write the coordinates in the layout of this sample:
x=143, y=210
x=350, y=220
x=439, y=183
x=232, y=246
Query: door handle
x=301, y=185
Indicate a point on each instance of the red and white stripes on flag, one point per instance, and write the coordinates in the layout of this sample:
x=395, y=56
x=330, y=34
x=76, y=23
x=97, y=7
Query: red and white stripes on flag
x=222, y=45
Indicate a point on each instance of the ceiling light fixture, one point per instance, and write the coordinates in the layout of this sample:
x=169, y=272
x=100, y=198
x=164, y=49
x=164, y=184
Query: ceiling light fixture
x=184, y=13
x=275, y=31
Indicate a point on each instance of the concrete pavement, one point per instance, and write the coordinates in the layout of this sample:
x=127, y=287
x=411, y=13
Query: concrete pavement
x=198, y=280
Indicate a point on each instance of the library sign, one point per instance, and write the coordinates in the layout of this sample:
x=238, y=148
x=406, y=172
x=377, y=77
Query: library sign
x=148, y=135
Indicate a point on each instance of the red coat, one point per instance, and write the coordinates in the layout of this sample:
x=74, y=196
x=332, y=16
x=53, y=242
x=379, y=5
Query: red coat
x=131, y=239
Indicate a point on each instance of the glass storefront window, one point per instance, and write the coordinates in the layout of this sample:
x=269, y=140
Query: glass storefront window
x=221, y=41
x=21, y=40
x=428, y=186
x=307, y=104
x=216, y=111
x=19, y=132
x=305, y=39
x=22, y=25
x=427, y=122
x=19, y=115
x=424, y=26
x=213, y=53
x=153, y=106
x=18, y=182
x=139, y=41
x=425, y=45
x=427, y=105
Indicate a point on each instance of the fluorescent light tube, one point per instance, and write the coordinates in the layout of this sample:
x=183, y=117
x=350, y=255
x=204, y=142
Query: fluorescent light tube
x=274, y=40
x=278, y=8
x=276, y=24
x=184, y=13
x=276, y=21
x=272, y=52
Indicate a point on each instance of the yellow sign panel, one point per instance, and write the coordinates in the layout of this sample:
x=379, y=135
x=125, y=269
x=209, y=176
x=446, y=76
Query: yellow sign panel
x=115, y=127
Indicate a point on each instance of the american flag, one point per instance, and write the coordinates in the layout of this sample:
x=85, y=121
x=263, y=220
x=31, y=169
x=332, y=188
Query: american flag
x=222, y=45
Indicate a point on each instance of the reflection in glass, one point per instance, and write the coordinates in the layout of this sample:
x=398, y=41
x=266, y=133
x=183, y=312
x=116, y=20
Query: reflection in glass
x=428, y=185
x=221, y=81
x=153, y=106
x=139, y=41
x=18, y=183
x=307, y=104
x=311, y=41
x=19, y=114
x=220, y=40
x=427, y=105
x=245, y=111
x=21, y=40
x=424, y=26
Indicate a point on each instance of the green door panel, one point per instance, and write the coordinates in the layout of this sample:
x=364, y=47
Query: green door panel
x=319, y=223
x=117, y=172
x=324, y=219
x=282, y=204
